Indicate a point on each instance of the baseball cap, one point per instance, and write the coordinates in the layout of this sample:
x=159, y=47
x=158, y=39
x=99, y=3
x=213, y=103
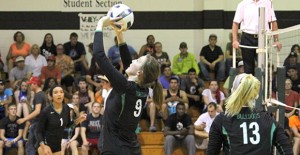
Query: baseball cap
x=20, y=58
x=241, y=63
x=103, y=77
x=293, y=54
x=35, y=80
x=51, y=58
x=183, y=45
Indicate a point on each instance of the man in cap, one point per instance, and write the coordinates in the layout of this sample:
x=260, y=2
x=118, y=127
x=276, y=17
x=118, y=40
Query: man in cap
x=19, y=72
x=39, y=102
x=183, y=61
x=240, y=70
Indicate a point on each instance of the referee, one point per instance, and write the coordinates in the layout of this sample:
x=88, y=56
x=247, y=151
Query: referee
x=247, y=16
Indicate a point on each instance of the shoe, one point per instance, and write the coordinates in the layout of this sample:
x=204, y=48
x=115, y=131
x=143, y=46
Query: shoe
x=152, y=129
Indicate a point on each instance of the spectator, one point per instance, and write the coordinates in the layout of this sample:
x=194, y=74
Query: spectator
x=19, y=72
x=294, y=123
x=10, y=132
x=35, y=60
x=114, y=55
x=240, y=70
x=291, y=98
x=166, y=76
x=161, y=56
x=94, y=72
x=23, y=98
x=212, y=59
x=213, y=94
x=76, y=51
x=296, y=49
x=6, y=97
x=1, y=65
x=292, y=61
x=90, y=129
x=193, y=86
x=18, y=48
x=48, y=47
x=71, y=134
x=66, y=65
x=172, y=97
x=202, y=125
x=228, y=53
x=39, y=102
x=51, y=70
x=293, y=74
x=86, y=96
x=183, y=61
x=179, y=131
x=148, y=48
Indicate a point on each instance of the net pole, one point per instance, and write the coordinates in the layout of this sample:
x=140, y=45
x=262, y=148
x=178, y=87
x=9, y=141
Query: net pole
x=261, y=37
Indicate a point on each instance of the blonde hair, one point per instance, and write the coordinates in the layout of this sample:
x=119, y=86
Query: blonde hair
x=35, y=45
x=244, y=95
x=151, y=71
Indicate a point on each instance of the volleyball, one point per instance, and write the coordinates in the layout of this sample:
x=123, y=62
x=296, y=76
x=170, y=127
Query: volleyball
x=123, y=11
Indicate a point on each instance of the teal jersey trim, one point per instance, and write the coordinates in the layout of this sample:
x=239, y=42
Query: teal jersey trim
x=123, y=104
x=273, y=128
x=224, y=132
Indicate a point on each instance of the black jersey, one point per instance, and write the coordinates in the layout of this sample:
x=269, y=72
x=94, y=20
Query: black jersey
x=51, y=126
x=250, y=132
x=123, y=105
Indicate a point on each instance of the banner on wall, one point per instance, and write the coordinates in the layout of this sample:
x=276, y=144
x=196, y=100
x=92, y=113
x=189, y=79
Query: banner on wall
x=88, y=23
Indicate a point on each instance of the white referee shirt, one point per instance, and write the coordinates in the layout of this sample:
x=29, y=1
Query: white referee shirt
x=247, y=14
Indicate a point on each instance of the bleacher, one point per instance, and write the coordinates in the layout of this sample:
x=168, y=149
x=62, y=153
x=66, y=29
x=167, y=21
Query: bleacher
x=153, y=144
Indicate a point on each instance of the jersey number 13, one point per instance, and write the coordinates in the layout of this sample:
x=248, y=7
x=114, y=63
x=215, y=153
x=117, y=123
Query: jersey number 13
x=255, y=131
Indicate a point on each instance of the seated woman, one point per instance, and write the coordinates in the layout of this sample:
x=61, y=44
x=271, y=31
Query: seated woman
x=71, y=134
x=213, y=94
x=24, y=98
x=18, y=48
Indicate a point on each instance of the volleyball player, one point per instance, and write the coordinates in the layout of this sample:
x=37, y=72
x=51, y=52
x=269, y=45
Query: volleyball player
x=125, y=102
x=244, y=129
x=52, y=122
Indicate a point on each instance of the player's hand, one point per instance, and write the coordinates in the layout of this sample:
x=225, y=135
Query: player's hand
x=278, y=45
x=103, y=22
x=235, y=44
